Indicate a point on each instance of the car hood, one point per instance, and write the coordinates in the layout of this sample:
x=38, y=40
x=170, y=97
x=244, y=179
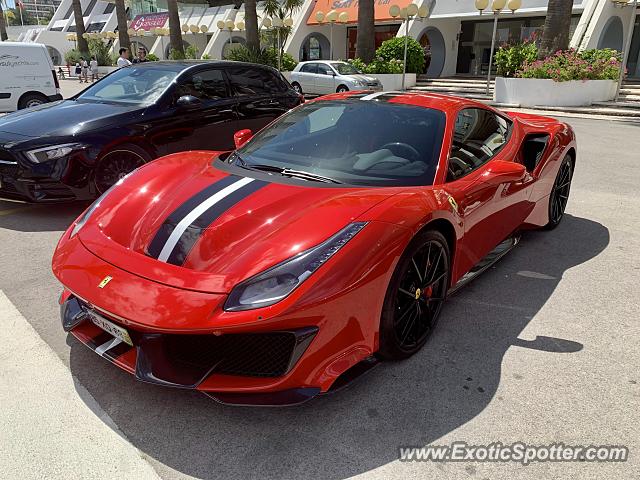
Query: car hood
x=66, y=117
x=250, y=232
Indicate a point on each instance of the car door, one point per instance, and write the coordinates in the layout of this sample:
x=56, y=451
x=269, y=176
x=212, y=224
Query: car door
x=325, y=79
x=307, y=77
x=207, y=123
x=491, y=209
x=260, y=96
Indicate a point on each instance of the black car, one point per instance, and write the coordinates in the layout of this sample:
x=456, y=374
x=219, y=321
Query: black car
x=75, y=149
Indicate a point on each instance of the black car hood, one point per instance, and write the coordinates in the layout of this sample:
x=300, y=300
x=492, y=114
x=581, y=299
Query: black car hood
x=66, y=117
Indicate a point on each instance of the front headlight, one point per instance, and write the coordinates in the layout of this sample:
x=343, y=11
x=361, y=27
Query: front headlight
x=52, y=152
x=87, y=214
x=273, y=285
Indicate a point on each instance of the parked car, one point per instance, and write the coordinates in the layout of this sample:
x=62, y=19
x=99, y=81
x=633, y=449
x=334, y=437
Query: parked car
x=27, y=76
x=331, y=238
x=322, y=77
x=77, y=148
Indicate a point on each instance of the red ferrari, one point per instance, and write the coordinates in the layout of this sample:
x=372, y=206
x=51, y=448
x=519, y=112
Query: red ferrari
x=276, y=272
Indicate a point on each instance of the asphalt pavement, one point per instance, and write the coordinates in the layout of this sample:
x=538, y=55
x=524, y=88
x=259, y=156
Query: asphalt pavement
x=542, y=348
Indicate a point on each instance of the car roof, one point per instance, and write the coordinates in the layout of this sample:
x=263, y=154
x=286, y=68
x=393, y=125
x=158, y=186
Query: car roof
x=182, y=65
x=446, y=103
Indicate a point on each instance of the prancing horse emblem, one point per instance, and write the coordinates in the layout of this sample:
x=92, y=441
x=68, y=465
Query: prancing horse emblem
x=104, y=281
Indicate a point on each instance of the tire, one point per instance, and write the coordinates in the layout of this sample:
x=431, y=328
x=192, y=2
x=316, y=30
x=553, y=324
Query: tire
x=415, y=294
x=342, y=89
x=560, y=193
x=31, y=100
x=296, y=86
x=117, y=163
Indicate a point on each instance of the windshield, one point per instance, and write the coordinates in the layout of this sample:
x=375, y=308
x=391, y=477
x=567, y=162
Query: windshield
x=345, y=68
x=134, y=85
x=352, y=141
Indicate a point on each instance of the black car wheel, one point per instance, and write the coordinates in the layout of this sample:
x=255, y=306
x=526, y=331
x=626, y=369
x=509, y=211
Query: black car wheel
x=560, y=193
x=342, y=89
x=296, y=86
x=415, y=295
x=117, y=163
x=31, y=100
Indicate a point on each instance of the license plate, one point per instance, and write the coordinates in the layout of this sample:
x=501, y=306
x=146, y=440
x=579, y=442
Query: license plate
x=110, y=327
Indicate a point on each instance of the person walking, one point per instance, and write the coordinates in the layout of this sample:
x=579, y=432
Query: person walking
x=123, y=59
x=93, y=68
x=142, y=56
x=78, y=70
x=84, y=71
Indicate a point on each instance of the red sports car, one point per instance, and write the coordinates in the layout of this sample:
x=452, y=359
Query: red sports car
x=332, y=237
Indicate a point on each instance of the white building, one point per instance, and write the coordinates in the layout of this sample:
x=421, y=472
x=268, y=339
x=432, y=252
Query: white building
x=457, y=36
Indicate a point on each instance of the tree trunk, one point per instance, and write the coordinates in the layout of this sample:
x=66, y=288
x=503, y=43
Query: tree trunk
x=83, y=46
x=555, y=35
x=3, y=27
x=123, y=28
x=175, y=34
x=366, y=42
x=251, y=24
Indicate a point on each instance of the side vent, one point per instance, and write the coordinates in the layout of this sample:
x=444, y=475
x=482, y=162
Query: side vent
x=532, y=149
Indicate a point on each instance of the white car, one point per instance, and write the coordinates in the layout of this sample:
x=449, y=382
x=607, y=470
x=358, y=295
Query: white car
x=27, y=76
x=324, y=76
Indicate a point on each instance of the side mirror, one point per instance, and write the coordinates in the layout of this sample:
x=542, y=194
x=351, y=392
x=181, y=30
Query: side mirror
x=188, y=102
x=501, y=171
x=241, y=137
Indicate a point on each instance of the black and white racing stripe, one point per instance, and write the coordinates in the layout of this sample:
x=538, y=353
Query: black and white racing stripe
x=182, y=229
x=382, y=96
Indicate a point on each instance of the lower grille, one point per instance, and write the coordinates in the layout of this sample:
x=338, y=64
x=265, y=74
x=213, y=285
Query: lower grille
x=255, y=355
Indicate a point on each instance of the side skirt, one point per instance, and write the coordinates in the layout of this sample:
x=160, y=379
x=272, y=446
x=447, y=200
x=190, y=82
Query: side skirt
x=492, y=257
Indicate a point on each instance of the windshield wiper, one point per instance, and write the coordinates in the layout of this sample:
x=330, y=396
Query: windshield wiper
x=287, y=172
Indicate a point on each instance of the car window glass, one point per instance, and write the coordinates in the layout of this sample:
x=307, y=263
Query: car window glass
x=324, y=69
x=309, y=68
x=132, y=85
x=253, y=81
x=478, y=135
x=205, y=85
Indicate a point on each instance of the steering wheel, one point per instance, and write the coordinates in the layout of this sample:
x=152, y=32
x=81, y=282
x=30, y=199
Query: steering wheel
x=413, y=153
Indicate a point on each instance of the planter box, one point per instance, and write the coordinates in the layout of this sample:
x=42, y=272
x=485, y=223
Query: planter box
x=534, y=92
x=393, y=81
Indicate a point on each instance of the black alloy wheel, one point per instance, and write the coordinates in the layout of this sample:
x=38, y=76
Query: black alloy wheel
x=415, y=296
x=117, y=164
x=560, y=193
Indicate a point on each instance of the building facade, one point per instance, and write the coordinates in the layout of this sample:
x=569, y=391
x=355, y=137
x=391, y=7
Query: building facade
x=455, y=36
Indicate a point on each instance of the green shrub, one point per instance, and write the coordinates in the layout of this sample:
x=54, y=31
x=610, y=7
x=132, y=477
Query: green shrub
x=176, y=55
x=510, y=59
x=100, y=50
x=72, y=56
x=377, y=66
x=569, y=65
x=191, y=52
x=264, y=56
x=152, y=57
x=393, y=49
x=206, y=56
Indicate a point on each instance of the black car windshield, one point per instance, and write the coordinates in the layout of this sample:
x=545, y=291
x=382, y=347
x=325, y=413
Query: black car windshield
x=345, y=68
x=358, y=142
x=134, y=85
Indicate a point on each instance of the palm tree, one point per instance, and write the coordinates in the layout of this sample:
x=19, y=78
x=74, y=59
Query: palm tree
x=366, y=41
x=3, y=26
x=175, y=34
x=555, y=35
x=251, y=24
x=273, y=8
x=123, y=28
x=83, y=46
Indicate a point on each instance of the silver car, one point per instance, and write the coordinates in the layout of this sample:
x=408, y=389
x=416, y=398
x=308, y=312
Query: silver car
x=324, y=76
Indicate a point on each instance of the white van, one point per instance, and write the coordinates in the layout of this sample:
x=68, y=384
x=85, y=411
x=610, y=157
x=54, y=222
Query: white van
x=27, y=76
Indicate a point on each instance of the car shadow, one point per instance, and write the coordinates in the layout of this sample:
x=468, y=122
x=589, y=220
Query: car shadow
x=357, y=429
x=39, y=218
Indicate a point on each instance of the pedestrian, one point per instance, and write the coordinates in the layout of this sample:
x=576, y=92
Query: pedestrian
x=142, y=55
x=61, y=75
x=93, y=68
x=123, y=59
x=84, y=70
x=79, y=70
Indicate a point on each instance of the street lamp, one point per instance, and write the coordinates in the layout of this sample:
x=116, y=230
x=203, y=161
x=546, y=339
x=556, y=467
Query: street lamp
x=332, y=17
x=497, y=6
x=627, y=45
x=277, y=23
x=407, y=13
x=229, y=25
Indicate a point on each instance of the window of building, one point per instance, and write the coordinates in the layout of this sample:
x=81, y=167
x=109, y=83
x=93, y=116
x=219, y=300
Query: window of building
x=89, y=8
x=109, y=8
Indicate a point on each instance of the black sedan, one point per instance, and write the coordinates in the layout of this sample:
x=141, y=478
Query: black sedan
x=75, y=149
